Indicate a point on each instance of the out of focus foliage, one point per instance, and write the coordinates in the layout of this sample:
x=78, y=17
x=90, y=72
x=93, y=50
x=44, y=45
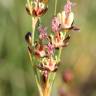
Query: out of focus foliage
x=16, y=75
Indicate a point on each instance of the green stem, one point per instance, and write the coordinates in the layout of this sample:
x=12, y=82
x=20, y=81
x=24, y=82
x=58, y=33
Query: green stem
x=33, y=30
x=39, y=87
x=55, y=7
x=59, y=55
x=36, y=77
x=51, y=85
x=36, y=74
x=34, y=22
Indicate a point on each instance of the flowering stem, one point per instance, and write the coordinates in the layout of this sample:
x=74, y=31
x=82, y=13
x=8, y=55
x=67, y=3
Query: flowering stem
x=59, y=56
x=55, y=7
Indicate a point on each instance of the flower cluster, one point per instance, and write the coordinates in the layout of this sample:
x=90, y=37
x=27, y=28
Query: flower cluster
x=46, y=49
x=65, y=19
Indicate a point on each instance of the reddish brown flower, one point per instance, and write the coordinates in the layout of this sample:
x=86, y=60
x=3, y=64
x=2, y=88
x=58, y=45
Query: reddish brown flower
x=37, y=8
x=48, y=64
x=39, y=50
x=58, y=39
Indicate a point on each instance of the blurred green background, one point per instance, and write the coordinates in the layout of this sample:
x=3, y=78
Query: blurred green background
x=16, y=74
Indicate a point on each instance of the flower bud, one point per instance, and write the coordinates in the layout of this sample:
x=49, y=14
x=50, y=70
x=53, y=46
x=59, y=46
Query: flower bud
x=28, y=39
x=67, y=76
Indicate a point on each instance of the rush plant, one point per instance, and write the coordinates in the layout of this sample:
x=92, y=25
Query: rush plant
x=45, y=49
